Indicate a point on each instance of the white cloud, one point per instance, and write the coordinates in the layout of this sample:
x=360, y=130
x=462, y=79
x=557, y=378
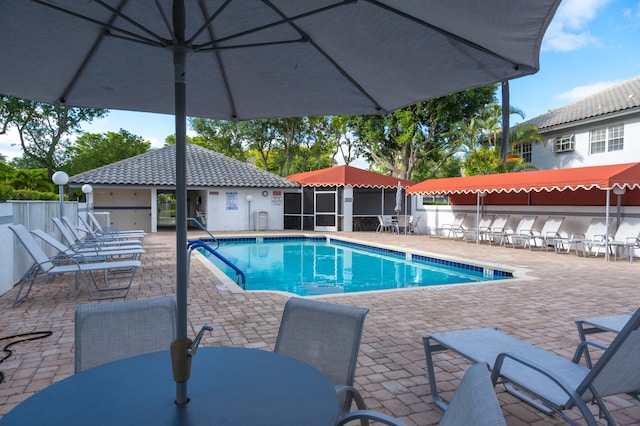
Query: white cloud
x=580, y=92
x=632, y=13
x=569, y=29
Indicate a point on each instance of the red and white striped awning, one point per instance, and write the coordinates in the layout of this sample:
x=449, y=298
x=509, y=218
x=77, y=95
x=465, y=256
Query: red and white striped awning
x=596, y=177
x=347, y=175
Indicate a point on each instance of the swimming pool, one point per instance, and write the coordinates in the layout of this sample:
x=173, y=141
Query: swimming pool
x=309, y=266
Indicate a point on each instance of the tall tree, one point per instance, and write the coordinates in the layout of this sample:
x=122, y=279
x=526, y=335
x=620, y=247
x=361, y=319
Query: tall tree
x=92, y=150
x=399, y=140
x=44, y=129
x=225, y=137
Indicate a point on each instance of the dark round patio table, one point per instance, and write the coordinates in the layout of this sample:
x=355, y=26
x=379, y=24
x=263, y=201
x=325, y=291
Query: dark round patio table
x=228, y=386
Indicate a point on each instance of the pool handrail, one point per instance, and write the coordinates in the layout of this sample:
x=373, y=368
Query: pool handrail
x=194, y=244
x=201, y=226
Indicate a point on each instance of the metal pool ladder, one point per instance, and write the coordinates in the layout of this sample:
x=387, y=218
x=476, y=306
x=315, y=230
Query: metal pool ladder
x=240, y=277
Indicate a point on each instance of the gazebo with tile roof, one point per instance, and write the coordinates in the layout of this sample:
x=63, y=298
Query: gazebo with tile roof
x=227, y=191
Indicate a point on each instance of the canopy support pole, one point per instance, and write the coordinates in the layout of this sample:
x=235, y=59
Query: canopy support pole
x=506, y=110
x=606, y=224
x=478, y=218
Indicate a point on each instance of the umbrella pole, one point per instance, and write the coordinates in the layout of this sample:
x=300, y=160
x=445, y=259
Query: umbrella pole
x=179, y=59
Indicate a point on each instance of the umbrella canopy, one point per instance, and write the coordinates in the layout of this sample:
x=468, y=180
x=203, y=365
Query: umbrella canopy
x=253, y=58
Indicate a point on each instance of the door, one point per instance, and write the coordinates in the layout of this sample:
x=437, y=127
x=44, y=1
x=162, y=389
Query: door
x=326, y=216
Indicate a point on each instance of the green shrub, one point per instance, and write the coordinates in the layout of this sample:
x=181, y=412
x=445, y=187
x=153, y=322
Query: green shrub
x=5, y=193
x=8, y=193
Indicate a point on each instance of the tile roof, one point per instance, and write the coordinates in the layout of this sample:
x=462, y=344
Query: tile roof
x=621, y=98
x=205, y=168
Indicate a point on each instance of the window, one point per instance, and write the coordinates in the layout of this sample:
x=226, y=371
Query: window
x=606, y=139
x=524, y=151
x=564, y=143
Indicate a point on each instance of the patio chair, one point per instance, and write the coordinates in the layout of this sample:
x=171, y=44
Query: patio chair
x=326, y=336
x=497, y=231
x=402, y=224
x=73, y=238
x=543, y=379
x=521, y=232
x=50, y=267
x=547, y=235
x=110, y=229
x=93, y=252
x=473, y=404
x=452, y=228
x=625, y=240
x=595, y=232
x=477, y=232
x=106, y=332
x=413, y=225
x=385, y=224
x=97, y=234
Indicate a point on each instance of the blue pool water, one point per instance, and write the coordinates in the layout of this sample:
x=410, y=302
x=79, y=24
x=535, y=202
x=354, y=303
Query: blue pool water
x=310, y=266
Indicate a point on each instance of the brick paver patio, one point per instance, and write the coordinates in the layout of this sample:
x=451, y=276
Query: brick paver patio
x=540, y=308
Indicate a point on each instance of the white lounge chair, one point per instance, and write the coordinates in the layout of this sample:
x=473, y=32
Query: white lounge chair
x=548, y=235
x=47, y=267
x=522, y=231
x=595, y=233
x=99, y=234
x=625, y=240
x=452, y=228
x=496, y=234
x=109, y=252
x=110, y=229
x=477, y=232
x=76, y=241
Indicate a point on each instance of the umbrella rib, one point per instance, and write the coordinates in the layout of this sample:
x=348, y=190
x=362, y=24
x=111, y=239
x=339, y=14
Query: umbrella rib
x=449, y=34
x=76, y=76
x=208, y=21
x=141, y=27
x=284, y=20
x=160, y=42
x=223, y=71
x=337, y=66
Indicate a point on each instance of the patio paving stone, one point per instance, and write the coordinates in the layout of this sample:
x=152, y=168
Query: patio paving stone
x=540, y=308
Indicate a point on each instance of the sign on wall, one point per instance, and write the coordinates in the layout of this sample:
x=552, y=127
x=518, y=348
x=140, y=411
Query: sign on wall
x=232, y=201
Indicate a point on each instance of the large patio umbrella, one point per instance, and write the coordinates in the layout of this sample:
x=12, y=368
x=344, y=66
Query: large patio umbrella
x=249, y=59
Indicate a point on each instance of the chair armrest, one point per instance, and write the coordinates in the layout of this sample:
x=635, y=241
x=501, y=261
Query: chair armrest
x=583, y=347
x=571, y=393
x=632, y=241
x=357, y=398
x=370, y=415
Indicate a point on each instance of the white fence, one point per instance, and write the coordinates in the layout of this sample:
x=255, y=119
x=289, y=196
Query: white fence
x=14, y=259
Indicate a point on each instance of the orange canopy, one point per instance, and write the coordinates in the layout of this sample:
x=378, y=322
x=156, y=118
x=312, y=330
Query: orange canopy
x=598, y=177
x=347, y=175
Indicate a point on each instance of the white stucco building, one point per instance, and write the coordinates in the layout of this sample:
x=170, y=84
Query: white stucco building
x=601, y=129
x=225, y=194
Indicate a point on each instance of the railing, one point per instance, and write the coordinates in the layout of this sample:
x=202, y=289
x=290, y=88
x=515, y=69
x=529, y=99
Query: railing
x=201, y=226
x=194, y=244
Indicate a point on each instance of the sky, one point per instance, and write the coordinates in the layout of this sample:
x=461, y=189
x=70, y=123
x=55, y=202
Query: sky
x=590, y=45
